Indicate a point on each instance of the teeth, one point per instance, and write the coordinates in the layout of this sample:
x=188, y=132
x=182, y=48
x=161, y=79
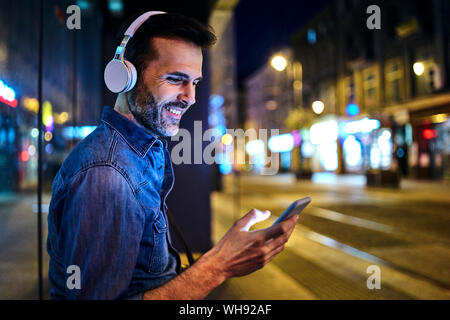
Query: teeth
x=174, y=111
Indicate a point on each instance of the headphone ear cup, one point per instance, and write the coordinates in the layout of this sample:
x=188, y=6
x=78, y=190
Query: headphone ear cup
x=132, y=75
x=116, y=76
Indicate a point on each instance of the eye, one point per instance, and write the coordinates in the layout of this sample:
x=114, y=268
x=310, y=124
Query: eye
x=173, y=79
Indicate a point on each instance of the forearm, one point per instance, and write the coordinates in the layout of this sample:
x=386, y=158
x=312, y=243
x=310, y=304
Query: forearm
x=193, y=284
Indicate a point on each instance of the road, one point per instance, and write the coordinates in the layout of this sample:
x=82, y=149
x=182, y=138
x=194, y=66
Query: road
x=346, y=229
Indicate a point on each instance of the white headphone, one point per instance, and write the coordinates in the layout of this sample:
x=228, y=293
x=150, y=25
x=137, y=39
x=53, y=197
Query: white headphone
x=120, y=75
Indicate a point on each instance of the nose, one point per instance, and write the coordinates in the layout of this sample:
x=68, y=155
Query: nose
x=187, y=96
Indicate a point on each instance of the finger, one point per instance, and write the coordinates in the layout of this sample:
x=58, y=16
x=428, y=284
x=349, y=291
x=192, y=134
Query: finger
x=274, y=243
x=245, y=219
x=251, y=218
x=281, y=240
x=280, y=228
x=273, y=254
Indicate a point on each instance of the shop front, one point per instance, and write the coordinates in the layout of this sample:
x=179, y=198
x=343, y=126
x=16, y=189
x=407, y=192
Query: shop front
x=429, y=156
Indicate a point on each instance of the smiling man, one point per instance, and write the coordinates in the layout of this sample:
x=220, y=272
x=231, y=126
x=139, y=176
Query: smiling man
x=167, y=88
x=108, y=232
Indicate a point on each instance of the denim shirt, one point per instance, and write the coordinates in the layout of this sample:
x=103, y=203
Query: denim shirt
x=107, y=215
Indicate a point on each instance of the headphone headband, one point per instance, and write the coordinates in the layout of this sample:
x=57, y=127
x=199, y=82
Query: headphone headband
x=120, y=75
x=120, y=51
x=139, y=21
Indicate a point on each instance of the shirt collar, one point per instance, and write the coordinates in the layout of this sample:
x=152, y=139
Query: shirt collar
x=137, y=138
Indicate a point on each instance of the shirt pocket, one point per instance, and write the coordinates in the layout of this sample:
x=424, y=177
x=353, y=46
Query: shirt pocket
x=159, y=257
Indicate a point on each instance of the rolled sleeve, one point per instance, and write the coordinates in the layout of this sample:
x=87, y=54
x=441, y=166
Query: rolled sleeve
x=100, y=232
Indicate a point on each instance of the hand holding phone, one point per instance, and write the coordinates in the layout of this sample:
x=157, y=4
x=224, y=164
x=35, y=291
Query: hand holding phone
x=295, y=208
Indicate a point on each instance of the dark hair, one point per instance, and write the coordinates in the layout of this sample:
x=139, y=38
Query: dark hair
x=139, y=49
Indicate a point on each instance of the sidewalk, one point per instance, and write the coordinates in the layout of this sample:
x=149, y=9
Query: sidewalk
x=18, y=239
x=268, y=283
x=314, y=266
x=8, y=198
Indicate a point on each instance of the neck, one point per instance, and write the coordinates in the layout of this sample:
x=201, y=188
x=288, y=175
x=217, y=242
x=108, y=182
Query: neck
x=122, y=106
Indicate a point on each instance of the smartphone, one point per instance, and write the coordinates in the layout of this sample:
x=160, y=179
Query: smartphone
x=295, y=208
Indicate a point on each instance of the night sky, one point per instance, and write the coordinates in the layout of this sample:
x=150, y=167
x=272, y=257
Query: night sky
x=264, y=26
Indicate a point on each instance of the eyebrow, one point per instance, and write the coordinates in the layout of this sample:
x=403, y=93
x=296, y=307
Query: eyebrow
x=183, y=75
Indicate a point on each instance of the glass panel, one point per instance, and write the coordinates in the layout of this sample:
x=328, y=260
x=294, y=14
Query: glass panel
x=18, y=149
x=71, y=101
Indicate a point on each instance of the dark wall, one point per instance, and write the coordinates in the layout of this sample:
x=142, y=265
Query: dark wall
x=189, y=200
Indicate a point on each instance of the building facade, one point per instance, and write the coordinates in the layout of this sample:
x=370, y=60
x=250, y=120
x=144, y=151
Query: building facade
x=384, y=91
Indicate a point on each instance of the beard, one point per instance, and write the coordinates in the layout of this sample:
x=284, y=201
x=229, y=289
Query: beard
x=149, y=113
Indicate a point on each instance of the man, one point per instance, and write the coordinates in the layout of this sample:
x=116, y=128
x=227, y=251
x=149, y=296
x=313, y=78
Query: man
x=107, y=221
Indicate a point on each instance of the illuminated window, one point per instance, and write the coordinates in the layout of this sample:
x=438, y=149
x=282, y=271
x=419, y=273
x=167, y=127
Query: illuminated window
x=428, y=80
x=349, y=90
x=370, y=85
x=352, y=152
x=394, y=80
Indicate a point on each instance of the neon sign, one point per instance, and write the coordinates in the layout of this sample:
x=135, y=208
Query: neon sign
x=282, y=143
x=324, y=132
x=429, y=134
x=364, y=125
x=7, y=95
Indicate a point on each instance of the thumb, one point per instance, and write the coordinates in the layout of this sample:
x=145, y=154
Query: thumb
x=252, y=217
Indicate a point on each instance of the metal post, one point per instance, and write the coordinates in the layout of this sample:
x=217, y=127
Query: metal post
x=40, y=149
x=74, y=87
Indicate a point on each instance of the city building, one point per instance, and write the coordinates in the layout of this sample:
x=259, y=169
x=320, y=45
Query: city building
x=272, y=94
x=269, y=94
x=374, y=89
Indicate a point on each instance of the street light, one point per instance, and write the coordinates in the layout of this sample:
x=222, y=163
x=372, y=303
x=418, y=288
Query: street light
x=279, y=63
x=418, y=68
x=227, y=139
x=284, y=60
x=294, y=74
x=318, y=107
